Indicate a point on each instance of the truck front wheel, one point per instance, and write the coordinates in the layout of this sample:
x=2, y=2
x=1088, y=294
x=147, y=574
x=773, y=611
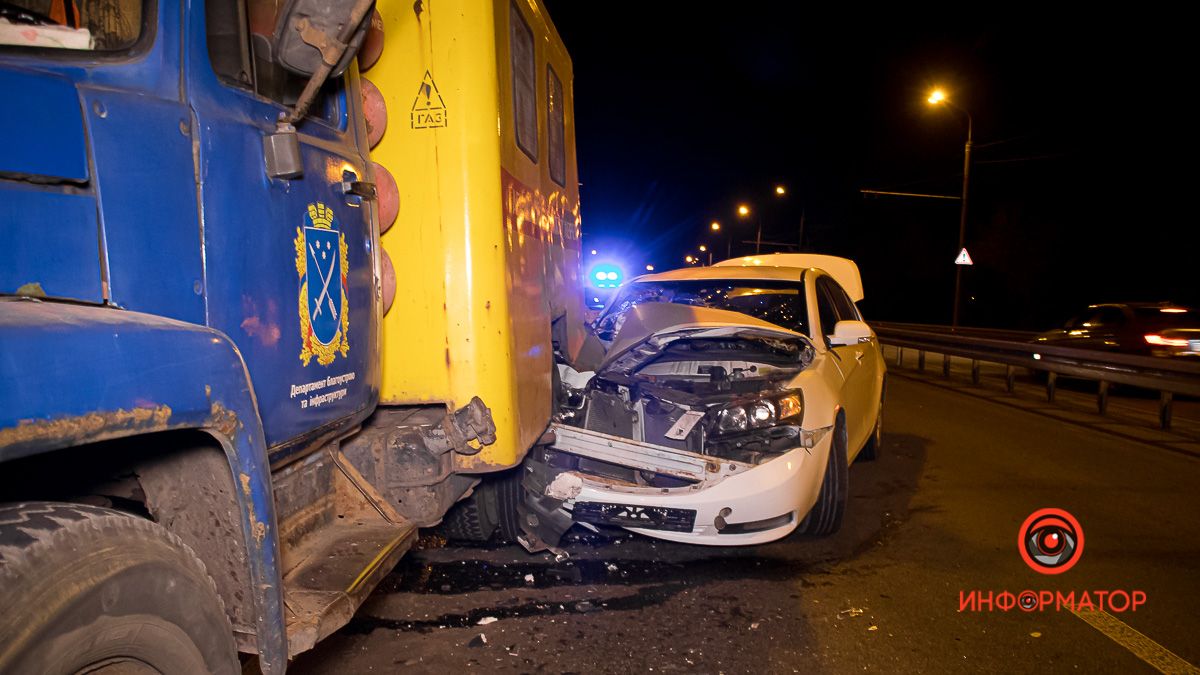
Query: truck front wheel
x=90, y=589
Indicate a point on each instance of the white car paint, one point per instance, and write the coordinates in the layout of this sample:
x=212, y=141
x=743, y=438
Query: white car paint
x=842, y=378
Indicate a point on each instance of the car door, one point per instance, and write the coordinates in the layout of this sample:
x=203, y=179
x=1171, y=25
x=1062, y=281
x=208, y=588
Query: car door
x=290, y=261
x=860, y=363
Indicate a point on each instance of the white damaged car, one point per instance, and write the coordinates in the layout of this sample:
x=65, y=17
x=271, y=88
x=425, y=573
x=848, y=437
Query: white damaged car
x=716, y=405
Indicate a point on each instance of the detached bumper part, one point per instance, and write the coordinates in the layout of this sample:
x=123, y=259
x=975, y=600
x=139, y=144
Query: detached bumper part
x=729, y=503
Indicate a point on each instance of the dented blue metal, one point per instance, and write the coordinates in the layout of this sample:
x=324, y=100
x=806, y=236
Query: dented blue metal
x=76, y=374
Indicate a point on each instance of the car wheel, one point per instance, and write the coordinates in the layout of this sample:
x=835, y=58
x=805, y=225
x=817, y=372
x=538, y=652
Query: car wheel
x=825, y=517
x=870, y=450
x=88, y=589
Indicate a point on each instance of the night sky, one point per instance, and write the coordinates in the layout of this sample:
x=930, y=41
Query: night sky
x=1081, y=184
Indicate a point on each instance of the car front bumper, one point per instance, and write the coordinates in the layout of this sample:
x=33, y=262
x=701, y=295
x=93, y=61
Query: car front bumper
x=730, y=504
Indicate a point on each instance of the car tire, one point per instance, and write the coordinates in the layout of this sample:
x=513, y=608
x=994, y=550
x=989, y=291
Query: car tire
x=85, y=587
x=825, y=517
x=870, y=450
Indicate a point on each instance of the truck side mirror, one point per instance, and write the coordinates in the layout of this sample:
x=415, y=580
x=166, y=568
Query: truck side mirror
x=312, y=33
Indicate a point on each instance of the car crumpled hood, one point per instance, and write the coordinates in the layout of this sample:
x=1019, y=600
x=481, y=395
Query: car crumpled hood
x=648, y=328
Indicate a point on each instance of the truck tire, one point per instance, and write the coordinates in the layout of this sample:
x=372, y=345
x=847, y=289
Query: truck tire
x=472, y=519
x=825, y=517
x=490, y=510
x=509, y=494
x=86, y=588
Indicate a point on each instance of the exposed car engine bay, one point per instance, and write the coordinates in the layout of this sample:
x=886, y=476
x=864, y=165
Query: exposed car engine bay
x=720, y=393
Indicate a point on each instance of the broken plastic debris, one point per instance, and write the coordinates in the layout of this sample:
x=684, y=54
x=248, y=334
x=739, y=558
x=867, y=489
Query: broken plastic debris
x=851, y=611
x=611, y=567
x=873, y=628
x=754, y=626
x=1035, y=634
x=529, y=578
x=486, y=620
x=478, y=641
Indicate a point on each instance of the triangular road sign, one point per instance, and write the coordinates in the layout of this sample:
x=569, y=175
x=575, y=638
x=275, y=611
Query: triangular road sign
x=963, y=258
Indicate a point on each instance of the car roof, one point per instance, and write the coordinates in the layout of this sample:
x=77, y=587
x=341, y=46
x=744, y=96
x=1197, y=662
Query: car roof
x=763, y=273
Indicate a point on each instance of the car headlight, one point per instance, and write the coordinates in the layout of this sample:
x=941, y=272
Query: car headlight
x=759, y=414
x=732, y=420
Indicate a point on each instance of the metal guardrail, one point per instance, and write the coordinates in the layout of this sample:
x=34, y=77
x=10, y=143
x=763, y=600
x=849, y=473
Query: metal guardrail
x=1015, y=349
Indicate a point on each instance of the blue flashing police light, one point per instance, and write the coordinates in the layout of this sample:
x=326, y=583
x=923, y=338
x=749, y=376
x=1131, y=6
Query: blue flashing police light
x=605, y=275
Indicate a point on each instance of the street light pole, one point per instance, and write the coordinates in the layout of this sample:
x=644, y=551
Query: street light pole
x=936, y=98
x=962, y=216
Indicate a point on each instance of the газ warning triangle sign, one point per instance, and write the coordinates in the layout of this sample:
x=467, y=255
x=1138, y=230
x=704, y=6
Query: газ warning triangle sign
x=963, y=258
x=428, y=109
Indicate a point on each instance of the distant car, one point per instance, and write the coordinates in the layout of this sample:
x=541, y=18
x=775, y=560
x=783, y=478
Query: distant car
x=723, y=406
x=1153, y=329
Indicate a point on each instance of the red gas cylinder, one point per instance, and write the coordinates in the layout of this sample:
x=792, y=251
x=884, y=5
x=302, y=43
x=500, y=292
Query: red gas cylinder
x=372, y=45
x=388, y=195
x=375, y=112
x=388, y=281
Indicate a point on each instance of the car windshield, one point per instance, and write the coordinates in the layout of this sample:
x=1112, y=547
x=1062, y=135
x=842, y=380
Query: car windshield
x=778, y=302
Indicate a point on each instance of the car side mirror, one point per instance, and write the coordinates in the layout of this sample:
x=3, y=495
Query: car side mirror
x=850, y=332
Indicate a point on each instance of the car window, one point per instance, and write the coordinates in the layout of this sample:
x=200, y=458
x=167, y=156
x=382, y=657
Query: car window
x=843, y=306
x=825, y=311
x=1110, y=316
x=1159, y=318
x=778, y=302
x=83, y=25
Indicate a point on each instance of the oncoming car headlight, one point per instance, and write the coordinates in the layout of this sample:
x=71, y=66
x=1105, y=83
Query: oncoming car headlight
x=765, y=412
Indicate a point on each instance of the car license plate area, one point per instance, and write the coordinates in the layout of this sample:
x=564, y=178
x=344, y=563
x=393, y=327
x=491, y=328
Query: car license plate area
x=624, y=515
x=1194, y=346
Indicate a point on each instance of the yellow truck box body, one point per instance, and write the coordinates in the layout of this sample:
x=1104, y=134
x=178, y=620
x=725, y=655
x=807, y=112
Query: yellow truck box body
x=486, y=247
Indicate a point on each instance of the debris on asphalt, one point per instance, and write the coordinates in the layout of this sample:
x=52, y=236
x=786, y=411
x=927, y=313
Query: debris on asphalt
x=873, y=628
x=584, y=606
x=529, y=579
x=611, y=567
x=850, y=611
x=1035, y=634
x=486, y=620
x=754, y=626
x=478, y=641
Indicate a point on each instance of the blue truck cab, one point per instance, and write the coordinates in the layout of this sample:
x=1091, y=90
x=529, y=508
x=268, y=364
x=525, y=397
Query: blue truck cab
x=189, y=331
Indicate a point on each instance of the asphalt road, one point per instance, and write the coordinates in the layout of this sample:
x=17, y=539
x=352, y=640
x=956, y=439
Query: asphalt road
x=938, y=514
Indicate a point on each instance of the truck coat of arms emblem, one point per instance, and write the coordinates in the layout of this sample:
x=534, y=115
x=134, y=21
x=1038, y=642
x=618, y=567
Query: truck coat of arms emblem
x=322, y=265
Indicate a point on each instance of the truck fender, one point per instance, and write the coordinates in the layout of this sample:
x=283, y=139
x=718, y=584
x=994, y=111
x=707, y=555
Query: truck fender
x=77, y=374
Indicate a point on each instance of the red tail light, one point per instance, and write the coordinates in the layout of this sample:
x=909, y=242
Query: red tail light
x=1160, y=341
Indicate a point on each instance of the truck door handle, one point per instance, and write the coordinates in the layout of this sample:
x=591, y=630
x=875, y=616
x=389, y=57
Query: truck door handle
x=360, y=188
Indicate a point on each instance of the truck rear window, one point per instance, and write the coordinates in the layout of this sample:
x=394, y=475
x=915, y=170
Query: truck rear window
x=86, y=25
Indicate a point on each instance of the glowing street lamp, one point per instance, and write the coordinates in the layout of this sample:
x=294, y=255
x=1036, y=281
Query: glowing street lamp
x=743, y=210
x=593, y=251
x=689, y=259
x=780, y=190
x=649, y=268
x=715, y=226
x=938, y=97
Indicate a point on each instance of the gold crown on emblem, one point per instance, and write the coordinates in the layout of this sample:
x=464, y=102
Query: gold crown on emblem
x=320, y=215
